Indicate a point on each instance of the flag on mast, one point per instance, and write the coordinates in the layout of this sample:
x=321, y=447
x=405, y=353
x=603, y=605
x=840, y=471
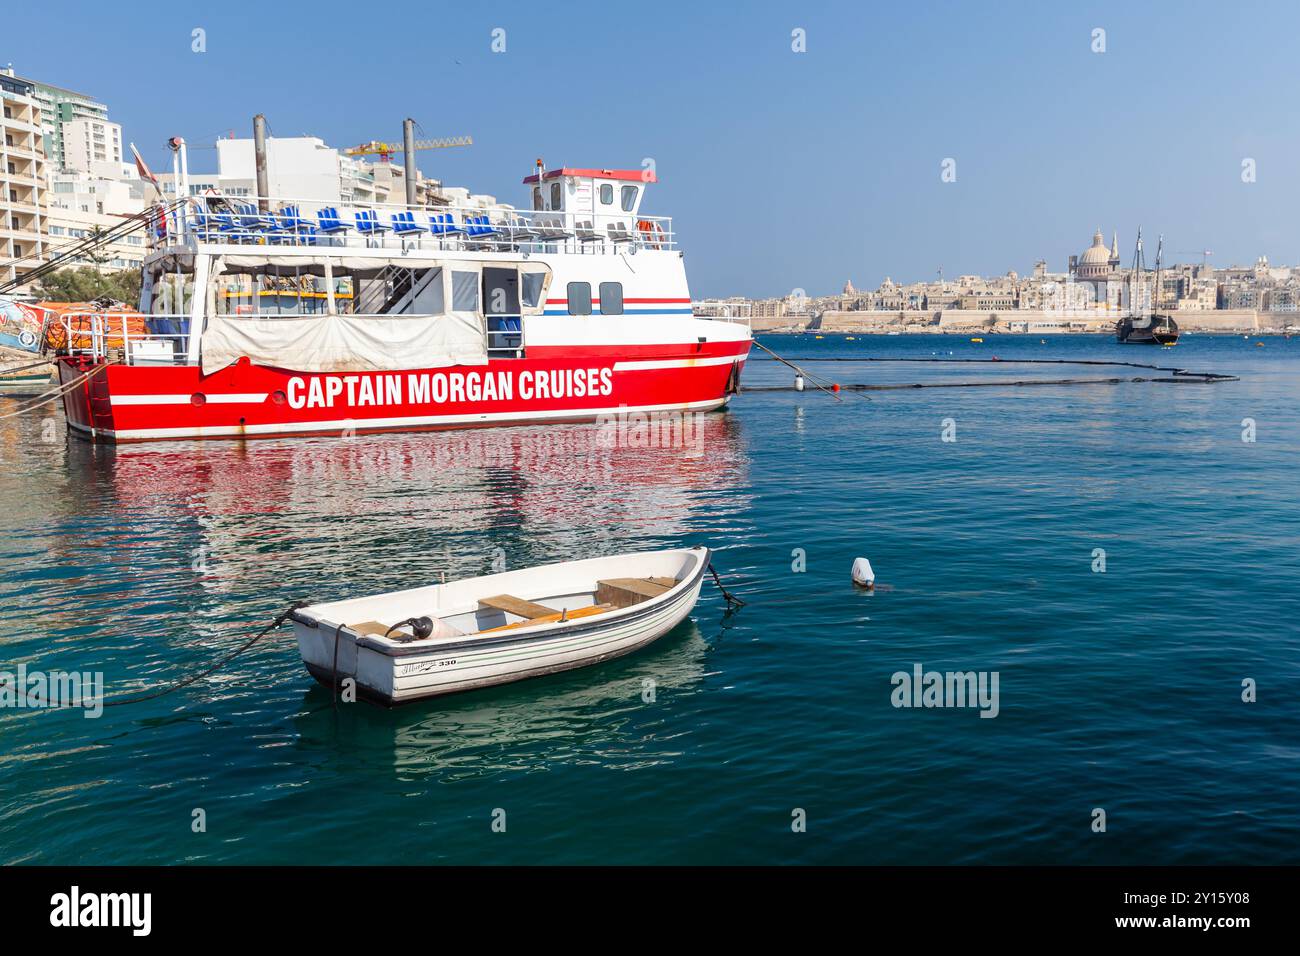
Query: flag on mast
x=144, y=170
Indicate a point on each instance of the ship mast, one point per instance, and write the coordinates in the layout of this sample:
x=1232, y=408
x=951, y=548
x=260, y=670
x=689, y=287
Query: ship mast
x=1155, y=293
x=1139, y=266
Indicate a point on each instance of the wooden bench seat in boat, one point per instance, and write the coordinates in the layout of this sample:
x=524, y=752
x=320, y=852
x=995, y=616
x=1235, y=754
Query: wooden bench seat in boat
x=517, y=606
x=577, y=612
x=624, y=592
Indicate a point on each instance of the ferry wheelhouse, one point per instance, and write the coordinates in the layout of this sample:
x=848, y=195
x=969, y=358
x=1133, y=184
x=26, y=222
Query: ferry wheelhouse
x=294, y=317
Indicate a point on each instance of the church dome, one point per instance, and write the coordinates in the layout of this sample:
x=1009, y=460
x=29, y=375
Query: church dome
x=1095, y=261
x=1097, y=253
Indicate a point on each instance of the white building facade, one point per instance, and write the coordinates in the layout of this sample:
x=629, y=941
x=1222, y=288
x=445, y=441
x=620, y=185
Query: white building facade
x=22, y=178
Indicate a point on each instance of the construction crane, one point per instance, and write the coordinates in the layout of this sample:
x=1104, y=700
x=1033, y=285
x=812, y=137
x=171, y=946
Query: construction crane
x=1203, y=253
x=385, y=151
x=409, y=145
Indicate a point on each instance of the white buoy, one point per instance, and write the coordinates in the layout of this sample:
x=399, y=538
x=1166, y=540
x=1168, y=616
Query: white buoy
x=798, y=383
x=862, y=573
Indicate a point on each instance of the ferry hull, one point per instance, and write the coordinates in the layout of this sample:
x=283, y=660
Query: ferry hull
x=118, y=403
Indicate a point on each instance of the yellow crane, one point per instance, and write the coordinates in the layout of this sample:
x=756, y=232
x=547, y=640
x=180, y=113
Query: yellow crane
x=385, y=151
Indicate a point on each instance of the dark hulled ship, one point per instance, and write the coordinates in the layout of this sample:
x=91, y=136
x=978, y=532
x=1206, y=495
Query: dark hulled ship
x=1143, y=325
x=1150, y=329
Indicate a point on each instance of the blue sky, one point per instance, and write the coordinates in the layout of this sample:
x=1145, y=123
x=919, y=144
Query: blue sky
x=783, y=170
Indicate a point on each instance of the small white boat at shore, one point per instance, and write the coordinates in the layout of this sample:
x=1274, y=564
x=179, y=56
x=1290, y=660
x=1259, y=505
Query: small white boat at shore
x=462, y=635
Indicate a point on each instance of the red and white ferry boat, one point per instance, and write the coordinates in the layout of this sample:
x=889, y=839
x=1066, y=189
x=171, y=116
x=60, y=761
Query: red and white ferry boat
x=285, y=317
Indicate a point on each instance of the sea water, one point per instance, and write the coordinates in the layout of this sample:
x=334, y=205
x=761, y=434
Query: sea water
x=1119, y=562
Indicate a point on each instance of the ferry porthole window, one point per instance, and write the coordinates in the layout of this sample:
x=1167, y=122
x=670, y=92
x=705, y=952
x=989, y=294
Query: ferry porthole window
x=606, y=194
x=579, y=294
x=198, y=398
x=611, y=298
x=278, y=397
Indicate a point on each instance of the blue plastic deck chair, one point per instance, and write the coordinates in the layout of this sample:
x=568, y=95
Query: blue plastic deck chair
x=479, y=227
x=254, y=220
x=230, y=224
x=444, y=224
x=204, y=224
x=404, y=224
x=368, y=223
x=328, y=221
x=296, y=229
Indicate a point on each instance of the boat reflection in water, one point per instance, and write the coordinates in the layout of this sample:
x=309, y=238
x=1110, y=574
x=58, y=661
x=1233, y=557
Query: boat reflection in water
x=597, y=715
x=223, y=536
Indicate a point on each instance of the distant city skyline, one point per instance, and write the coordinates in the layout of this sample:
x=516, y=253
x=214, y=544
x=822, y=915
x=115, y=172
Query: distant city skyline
x=904, y=140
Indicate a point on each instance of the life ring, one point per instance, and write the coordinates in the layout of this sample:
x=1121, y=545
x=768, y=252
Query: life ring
x=651, y=233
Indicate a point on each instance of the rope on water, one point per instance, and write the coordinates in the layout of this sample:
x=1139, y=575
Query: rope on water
x=1005, y=383
x=185, y=682
x=830, y=388
x=54, y=394
x=732, y=600
x=1179, y=374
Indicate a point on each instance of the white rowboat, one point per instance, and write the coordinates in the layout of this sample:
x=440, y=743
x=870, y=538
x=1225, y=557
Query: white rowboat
x=501, y=627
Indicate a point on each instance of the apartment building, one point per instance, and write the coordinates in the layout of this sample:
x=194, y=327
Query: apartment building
x=92, y=146
x=22, y=178
x=60, y=110
x=80, y=206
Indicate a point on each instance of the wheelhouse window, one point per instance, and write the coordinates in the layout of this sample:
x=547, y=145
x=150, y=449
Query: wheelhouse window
x=629, y=198
x=555, y=195
x=611, y=298
x=579, y=298
x=464, y=291
x=530, y=289
x=537, y=197
x=606, y=194
x=278, y=292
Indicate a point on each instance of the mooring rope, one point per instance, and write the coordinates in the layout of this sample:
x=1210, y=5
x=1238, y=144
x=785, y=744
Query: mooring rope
x=23, y=368
x=54, y=394
x=185, y=682
x=831, y=391
x=731, y=598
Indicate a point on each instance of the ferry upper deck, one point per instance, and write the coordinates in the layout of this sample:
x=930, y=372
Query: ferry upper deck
x=574, y=212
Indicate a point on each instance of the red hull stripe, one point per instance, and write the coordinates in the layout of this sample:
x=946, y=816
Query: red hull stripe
x=401, y=423
x=553, y=384
x=635, y=301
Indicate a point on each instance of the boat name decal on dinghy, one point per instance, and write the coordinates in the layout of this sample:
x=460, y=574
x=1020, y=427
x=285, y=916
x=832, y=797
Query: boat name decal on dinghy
x=423, y=667
x=438, y=388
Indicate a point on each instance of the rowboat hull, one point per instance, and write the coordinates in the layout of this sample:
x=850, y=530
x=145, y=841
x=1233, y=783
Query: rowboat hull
x=392, y=673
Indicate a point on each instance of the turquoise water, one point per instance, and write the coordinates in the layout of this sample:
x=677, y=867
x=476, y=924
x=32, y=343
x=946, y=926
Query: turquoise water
x=1118, y=690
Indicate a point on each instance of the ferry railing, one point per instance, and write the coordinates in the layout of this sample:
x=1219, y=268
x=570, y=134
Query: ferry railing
x=132, y=338
x=505, y=335
x=460, y=227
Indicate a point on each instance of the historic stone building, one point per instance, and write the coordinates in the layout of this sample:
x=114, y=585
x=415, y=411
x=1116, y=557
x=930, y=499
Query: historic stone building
x=1097, y=272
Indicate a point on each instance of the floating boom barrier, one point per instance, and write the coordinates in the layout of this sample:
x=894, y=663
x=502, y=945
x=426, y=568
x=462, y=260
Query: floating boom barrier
x=1175, y=376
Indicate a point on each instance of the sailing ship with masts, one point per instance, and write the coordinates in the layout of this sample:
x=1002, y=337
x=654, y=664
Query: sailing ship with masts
x=1143, y=324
